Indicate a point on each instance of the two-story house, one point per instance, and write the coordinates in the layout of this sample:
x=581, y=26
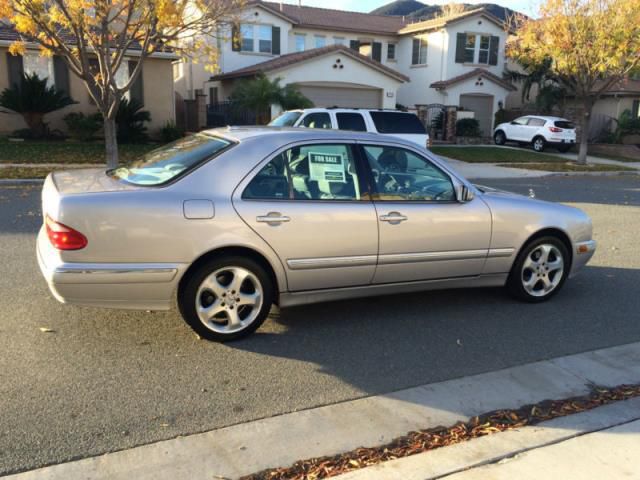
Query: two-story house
x=351, y=59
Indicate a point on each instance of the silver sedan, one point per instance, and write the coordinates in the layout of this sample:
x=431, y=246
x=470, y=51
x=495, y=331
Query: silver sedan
x=232, y=221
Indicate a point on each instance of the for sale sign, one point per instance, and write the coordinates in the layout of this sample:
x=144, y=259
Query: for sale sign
x=327, y=167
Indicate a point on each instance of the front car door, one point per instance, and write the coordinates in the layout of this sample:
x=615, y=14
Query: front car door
x=518, y=129
x=309, y=204
x=425, y=233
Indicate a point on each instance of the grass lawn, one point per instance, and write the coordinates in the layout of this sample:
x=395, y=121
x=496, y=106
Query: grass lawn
x=64, y=152
x=570, y=167
x=614, y=157
x=493, y=155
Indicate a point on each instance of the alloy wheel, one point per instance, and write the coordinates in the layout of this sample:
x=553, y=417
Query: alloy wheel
x=542, y=270
x=229, y=300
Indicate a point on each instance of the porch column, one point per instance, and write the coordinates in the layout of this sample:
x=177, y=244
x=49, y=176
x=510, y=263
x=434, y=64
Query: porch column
x=450, y=127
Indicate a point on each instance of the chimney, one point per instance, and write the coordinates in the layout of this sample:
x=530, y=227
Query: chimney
x=300, y=3
x=281, y=7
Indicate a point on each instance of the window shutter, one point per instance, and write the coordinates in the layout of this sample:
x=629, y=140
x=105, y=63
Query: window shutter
x=275, y=40
x=415, y=53
x=136, y=92
x=376, y=51
x=61, y=75
x=493, y=50
x=461, y=39
x=236, y=41
x=355, y=45
x=15, y=69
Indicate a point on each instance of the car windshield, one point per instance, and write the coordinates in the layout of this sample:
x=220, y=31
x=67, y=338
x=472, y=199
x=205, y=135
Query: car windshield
x=287, y=119
x=170, y=161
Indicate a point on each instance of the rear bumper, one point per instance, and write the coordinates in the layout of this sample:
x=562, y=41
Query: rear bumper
x=561, y=141
x=582, y=253
x=139, y=286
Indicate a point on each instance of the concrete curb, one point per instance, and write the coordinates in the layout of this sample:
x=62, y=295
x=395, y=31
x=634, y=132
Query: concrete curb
x=280, y=441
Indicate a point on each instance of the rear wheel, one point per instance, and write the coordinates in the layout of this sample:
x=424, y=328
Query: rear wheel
x=539, y=144
x=540, y=270
x=500, y=138
x=226, y=298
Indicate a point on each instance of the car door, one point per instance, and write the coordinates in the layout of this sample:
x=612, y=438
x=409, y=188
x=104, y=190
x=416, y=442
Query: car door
x=309, y=204
x=533, y=128
x=425, y=233
x=517, y=129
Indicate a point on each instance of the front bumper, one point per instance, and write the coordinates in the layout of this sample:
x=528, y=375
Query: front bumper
x=138, y=286
x=582, y=253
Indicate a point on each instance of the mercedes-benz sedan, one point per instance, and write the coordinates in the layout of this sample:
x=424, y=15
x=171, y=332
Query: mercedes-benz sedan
x=232, y=221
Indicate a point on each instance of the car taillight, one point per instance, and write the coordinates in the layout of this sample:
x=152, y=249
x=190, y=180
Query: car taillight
x=63, y=237
x=555, y=129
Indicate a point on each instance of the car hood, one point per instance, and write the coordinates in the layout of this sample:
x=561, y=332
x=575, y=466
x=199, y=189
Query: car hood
x=88, y=180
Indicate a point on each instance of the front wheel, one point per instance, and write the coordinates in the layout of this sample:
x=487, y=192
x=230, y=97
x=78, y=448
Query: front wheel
x=500, y=138
x=226, y=298
x=540, y=270
x=539, y=143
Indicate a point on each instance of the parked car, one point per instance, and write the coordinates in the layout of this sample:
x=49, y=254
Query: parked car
x=538, y=131
x=394, y=123
x=229, y=222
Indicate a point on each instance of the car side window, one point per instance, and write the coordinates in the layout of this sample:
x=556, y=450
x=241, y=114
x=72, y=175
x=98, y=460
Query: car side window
x=308, y=172
x=351, y=121
x=317, y=120
x=400, y=174
x=536, y=122
x=521, y=121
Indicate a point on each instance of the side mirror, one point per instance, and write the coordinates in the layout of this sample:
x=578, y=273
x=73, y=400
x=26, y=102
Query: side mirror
x=464, y=194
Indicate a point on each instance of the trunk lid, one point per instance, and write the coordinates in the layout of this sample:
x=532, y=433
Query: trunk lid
x=86, y=180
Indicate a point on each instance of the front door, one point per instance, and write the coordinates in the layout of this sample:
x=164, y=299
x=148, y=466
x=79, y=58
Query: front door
x=309, y=205
x=425, y=233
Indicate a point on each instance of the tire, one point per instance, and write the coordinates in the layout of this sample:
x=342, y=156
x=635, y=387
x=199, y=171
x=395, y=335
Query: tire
x=530, y=265
x=539, y=144
x=500, y=138
x=564, y=148
x=227, y=298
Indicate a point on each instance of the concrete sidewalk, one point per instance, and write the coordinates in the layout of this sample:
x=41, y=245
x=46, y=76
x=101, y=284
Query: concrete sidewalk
x=280, y=441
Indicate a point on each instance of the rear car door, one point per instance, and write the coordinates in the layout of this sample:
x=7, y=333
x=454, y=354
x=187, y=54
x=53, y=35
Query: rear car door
x=533, y=128
x=425, y=233
x=309, y=204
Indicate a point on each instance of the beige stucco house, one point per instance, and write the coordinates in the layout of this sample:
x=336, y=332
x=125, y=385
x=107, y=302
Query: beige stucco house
x=154, y=88
x=352, y=59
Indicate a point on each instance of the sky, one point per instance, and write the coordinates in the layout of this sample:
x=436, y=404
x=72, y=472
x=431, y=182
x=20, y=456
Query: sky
x=524, y=6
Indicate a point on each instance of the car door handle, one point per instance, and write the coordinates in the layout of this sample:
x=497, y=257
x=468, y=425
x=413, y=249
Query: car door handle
x=393, y=217
x=273, y=218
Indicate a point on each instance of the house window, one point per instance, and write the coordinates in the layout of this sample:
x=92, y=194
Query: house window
x=391, y=51
x=477, y=48
x=470, y=49
x=339, y=40
x=419, y=54
x=213, y=95
x=42, y=66
x=265, y=38
x=321, y=41
x=246, y=34
x=299, y=42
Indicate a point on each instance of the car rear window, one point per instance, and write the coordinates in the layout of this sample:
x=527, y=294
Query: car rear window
x=170, y=161
x=397, y=122
x=351, y=121
x=565, y=124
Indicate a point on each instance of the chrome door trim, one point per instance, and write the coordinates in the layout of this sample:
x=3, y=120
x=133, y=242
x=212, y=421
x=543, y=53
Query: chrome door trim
x=331, y=262
x=500, y=252
x=395, y=258
x=116, y=273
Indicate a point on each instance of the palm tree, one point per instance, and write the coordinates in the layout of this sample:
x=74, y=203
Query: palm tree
x=259, y=93
x=33, y=99
x=551, y=90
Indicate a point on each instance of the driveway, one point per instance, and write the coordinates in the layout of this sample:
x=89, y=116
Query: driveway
x=107, y=380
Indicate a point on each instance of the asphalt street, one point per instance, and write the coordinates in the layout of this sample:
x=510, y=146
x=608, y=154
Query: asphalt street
x=104, y=380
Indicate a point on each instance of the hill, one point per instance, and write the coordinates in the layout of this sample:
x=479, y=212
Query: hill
x=416, y=11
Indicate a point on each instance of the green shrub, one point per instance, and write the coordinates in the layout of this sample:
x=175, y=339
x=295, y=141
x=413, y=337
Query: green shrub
x=627, y=125
x=468, y=127
x=130, y=121
x=170, y=132
x=83, y=127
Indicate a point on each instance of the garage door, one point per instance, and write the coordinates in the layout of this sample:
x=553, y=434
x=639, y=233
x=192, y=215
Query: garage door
x=342, y=97
x=482, y=106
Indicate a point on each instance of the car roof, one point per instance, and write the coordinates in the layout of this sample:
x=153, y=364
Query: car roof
x=293, y=134
x=546, y=117
x=347, y=109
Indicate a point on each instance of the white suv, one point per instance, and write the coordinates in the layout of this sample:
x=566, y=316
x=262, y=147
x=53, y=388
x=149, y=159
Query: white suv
x=538, y=131
x=394, y=123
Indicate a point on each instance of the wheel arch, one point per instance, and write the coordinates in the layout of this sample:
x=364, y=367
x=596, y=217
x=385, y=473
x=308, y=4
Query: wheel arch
x=549, y=232
x=254, y=255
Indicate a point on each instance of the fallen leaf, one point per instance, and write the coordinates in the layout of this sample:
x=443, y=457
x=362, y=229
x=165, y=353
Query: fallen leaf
x=47, y=330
